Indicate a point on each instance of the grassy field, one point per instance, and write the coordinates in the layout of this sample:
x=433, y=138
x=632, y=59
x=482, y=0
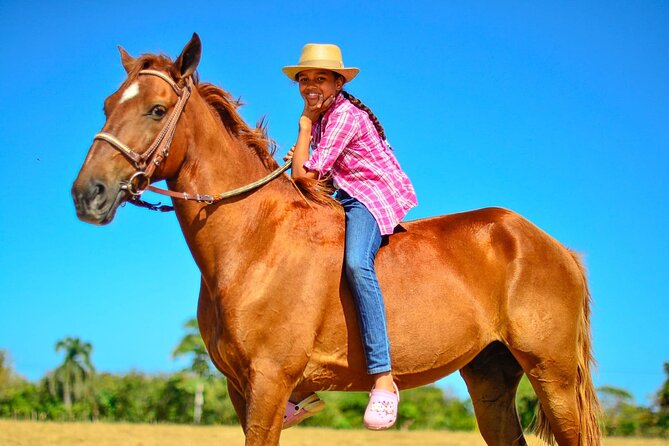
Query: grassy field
x=25, y=433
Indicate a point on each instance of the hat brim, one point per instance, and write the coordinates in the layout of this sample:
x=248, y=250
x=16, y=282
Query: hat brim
x=293, y=70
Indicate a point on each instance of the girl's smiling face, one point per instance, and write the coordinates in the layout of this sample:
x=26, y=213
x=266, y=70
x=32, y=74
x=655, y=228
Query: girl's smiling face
x=318, y=85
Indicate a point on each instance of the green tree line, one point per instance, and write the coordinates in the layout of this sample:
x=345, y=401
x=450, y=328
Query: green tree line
x=198, y=394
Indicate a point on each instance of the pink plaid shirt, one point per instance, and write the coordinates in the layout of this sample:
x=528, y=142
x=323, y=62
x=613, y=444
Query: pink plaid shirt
x=347, y=148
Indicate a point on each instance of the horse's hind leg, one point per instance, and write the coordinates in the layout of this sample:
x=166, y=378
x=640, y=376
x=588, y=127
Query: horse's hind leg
x=239, y=404
x=492, y=379
x=554, y=383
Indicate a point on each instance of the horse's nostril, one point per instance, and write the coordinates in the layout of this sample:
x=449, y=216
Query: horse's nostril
x=97, y=189
x=94, y=196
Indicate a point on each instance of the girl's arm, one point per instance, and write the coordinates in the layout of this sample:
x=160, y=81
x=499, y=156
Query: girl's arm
x=301, y=149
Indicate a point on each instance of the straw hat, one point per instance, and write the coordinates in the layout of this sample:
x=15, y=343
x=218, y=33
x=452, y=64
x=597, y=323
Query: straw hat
x=321, y=55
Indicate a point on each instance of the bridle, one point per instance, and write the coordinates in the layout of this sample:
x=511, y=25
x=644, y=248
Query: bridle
x=146, y=163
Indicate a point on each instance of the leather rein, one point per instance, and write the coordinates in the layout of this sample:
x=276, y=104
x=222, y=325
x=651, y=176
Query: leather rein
x=147, y=162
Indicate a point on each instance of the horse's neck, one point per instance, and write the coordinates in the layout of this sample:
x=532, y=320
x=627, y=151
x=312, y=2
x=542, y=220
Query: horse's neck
x=217, y=162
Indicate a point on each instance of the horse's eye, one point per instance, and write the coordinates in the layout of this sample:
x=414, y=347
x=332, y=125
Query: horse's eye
x=158, y=112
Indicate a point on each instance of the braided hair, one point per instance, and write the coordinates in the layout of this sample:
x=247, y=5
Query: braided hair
x=355, y=101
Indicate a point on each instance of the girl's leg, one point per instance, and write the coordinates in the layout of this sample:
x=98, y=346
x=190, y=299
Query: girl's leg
x=363, y=239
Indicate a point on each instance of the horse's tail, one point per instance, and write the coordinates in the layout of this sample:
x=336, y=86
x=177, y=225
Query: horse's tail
x=588, y=404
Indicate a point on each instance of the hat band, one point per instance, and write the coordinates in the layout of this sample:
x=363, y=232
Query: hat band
x=321, y=63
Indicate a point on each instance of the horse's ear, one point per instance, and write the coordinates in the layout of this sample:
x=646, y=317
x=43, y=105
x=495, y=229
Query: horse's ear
x=126, y=59
x=189, y=58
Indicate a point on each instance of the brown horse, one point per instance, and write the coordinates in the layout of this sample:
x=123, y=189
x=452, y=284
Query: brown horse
x=483, y=292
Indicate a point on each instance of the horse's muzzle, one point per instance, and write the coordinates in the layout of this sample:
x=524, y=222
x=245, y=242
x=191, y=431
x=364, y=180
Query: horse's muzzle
x=95, y=202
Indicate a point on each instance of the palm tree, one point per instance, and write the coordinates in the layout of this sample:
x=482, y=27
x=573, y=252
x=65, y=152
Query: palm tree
x=76, y=373
x=5, y=370
x=663, y=393
x=193, y=345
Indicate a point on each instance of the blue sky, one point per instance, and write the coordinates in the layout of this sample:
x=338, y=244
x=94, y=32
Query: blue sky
x=557, y=110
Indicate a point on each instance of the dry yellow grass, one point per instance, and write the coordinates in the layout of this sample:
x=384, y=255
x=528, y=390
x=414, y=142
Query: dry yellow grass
x=25, y=433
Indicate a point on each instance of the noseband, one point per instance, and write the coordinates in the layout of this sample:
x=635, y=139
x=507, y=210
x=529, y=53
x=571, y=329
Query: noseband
x=147, y=162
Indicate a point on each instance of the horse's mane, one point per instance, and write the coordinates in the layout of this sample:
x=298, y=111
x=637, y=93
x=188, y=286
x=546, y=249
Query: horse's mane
x=225, y=107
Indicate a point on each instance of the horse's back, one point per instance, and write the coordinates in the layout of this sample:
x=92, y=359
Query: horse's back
x=463, y=244
x=470, y=243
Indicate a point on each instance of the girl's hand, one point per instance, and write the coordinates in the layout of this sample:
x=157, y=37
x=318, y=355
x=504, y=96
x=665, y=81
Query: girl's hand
x=289, y=155
x=314, y=111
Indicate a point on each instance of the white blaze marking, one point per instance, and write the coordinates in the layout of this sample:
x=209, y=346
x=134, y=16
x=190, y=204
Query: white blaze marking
x=130, y=92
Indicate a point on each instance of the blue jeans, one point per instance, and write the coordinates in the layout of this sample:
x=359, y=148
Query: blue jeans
x=363, y=239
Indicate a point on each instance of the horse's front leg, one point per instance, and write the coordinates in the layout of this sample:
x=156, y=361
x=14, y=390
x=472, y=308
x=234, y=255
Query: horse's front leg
x=266, y=397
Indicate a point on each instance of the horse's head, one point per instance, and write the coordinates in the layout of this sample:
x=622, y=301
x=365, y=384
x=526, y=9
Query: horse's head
x=141, y=123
